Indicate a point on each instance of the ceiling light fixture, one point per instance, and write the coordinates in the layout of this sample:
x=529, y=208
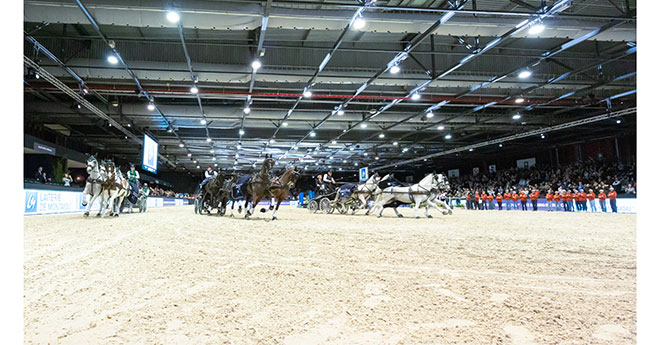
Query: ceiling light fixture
x=359, y=23
x=524, y=74
x=516, y=117
x=256, y=64
x=415, y=96
x=112, y=59
x=208, y=140
x=520, y=100
x=429, y=115
x=307, y=94
x=536, y=28
x=312, y=134
x=363, y=125
x=395, y=143
x=241, y=132
x=334, y=142
x=448, y=136
x=151, y=106
x=173, y=16
x=202, y=121
x=246, y=110
x=381, y=135
x=441, y=127
x=284, y=124
x=194, y=90
x=340, y=112
x=180, y=145
x=395, y=69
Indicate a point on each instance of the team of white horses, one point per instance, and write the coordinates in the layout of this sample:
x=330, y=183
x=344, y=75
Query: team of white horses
x=427, y=191
x=105, y=183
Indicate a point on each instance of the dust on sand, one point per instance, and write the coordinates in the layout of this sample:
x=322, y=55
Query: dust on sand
x=477, y=277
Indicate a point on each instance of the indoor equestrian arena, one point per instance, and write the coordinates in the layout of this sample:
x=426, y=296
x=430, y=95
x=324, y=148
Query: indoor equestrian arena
x=468, y=278
x=330, y=172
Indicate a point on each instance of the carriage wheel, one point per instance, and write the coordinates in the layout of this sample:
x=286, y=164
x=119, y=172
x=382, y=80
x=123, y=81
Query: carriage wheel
x=313, y=206
x=325, y=205
x=342, y=208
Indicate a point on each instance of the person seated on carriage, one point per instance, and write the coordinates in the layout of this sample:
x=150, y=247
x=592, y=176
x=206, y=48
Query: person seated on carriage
x=133, y=175
x=208, y=175
x=320, y=186
x=329, y=182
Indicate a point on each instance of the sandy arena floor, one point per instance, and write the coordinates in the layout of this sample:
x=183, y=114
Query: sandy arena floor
x=172, y=277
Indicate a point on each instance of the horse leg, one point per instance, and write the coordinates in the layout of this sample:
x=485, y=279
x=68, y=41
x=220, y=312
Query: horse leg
x=397, y=212
x=416, y=206
x=279, y=201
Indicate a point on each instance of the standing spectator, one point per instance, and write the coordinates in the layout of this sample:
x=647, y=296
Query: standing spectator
x=582, y=198
x=557, y=200
x=499, y=200
x=548, y=198
x=491, y=205
x=507, y=200
x=601, y=199
x=484, y=204
x=45, y=178
x=67, y=179
x=523, y=200
x=477, y=202
x=612, y=196
x=591, y=196
x=514, y=197
x=630, y=189
x=468, y=203
x=534, y=197
x=565, y=195
x=39, y=175
x=571, y=198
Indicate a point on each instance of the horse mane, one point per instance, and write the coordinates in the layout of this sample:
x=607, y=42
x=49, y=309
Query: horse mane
x=426, y=179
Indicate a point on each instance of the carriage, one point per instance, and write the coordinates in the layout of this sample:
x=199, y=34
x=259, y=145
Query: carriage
x=214, y=195
x=342, y=199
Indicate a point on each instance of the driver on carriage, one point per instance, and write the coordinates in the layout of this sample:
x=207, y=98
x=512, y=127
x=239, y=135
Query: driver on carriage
x=133, y=175
x=208, y=175
x=329, y=181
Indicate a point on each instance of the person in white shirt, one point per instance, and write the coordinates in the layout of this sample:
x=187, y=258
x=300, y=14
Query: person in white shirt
x=208, y=175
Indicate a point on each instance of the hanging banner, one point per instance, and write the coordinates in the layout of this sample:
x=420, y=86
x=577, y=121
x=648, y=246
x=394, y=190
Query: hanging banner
x=364, y=174
x=526, y=163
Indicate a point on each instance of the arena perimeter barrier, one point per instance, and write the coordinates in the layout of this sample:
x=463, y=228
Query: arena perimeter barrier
x=623, y=205
x=43, y=201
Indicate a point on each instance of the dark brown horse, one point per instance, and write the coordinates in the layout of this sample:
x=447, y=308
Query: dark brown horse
x=258, y=185
x=280, y=186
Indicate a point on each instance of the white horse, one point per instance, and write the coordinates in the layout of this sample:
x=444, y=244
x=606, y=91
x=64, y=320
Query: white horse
x=94, y=186
x=367, y=191
x=426, y=191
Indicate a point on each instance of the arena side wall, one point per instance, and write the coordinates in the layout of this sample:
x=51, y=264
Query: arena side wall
x=42, y=201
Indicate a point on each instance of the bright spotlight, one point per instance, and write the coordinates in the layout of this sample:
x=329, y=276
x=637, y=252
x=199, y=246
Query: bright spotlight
x=284, y=124
x=180, y=145
x=500, y=145
x=377, y=158
x=363, y=125
x=194, y=90
x=151, y=106
x=340, y=112
x=395, y=69
x=212, y=151
x=359, y=23
x=241, y=132
x=471, y=150
x=169, y=130
x=173, y=16
x=112, y=59
x=395, y=143
x=516, y=117
x=256, y=64
x=202, y=121
x=618, y=121
x=448, y=136
x=246, y=110
x=381, y=135
x=238, y=147
x=312, y=134
x=190, y=154
x=536, y=29
x=429, y=115
x=307, y=94
x=272, y=141
x=415, y=96
x=208, y=140
x=334, y=142
x=441, y=128
x=520, y=100
x=524, y=74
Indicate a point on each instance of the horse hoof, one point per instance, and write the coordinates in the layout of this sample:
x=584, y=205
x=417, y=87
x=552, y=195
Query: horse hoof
x=450, y=212
x=274, y=218
x=263, y=210
x=429, y=216
x=86, y=214
x=270, y=208
x=98, y=215
x=84, y=203
x=417, y=217
x=400, y=215
x=116, y=214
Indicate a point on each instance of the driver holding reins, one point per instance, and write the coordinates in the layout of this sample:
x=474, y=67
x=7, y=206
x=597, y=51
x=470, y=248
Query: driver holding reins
x=208, y=175
x=329, y=181
x=133, y=175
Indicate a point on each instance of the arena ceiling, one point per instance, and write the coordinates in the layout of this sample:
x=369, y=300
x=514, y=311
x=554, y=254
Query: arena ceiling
x=462, y=58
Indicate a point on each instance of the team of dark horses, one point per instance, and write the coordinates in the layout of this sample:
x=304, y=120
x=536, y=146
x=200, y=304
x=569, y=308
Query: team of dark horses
x=251, y=188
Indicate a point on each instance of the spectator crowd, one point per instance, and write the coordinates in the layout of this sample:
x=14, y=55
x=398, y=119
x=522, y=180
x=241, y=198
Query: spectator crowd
x=573, y=187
